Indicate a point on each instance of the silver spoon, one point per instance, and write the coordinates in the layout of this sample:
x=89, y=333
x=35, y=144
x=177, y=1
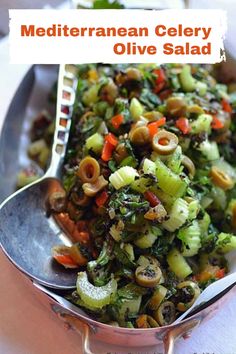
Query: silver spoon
x=26, y=233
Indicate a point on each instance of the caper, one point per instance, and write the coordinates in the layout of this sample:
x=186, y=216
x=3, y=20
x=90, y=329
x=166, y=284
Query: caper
x=157, y=297
x=188, y=163
x=91, y=189
x=221, y=178
x=89, y=170
x=165, y=314
x=146, y=321
x=164, y=142
x=188, y=287
x=148, y=276
x=140, y=135
x=176, y=106
x=120, y=152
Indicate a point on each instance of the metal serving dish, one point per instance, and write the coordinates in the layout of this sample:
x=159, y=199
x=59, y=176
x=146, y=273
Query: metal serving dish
x=14, y=138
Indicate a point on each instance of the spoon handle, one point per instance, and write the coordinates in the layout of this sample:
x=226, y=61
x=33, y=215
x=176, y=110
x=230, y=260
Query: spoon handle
x=66, y=92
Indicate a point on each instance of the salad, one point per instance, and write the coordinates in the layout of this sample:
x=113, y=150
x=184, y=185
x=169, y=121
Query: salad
x=150, y=196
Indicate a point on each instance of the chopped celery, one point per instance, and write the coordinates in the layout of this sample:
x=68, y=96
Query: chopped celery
x=210, y=150
x=201, y=87
x=141, y=184
x=123, y=177
x=166, y=199
x=201, y=124
x=231, y=206
x=94, y=296
x=148, y=238
x=188, y=83
x=190, y=237
x=129, y=161
x=204, y=223
x=95, y=143
x=193, y=208
x=178, y=264
x=130, y=306
x=136, y=109
x=168, y=181
x=174, y=161
x=128, y=248
x=226, y=242
x=149, y=167
x=91, y=95
x=178, y=215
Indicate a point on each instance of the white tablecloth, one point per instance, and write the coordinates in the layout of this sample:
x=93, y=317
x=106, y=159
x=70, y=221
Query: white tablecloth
x=25, y=326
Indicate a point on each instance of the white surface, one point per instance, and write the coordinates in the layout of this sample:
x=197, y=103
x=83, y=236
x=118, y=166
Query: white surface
x=25, y=326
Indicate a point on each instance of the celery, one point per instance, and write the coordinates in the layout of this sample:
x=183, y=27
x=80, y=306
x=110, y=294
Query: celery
x=202, y=124
x=204, y=223
x=178, y=264
x=123, y=177
x=188, y=83
x=141, y=184
x=201, y=87
x=91, y=96
x=149, y=167
x=168, y=181
x=193, y=208
x=231, y=207
x=94, y=296
x=136, y=109
x=190, y=236
x=166, y=199
x=148, y=239
x=128, y=248
x=95, y=143
x=210, y=150
x=178, y=215
x=174, y=161
x=226, y=242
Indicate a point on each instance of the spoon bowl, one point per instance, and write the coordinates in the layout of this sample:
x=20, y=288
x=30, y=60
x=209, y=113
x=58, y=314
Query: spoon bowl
x=27, y=232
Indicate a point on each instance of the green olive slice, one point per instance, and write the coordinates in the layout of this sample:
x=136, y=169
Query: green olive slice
x=190, y=292
x=148, y=276
x=188, y=163
x=164, y=142
x=165, y=314
x=80, y=198
x=176, y=106
x=89, y=170
x=157, y=298
x=91, y=189
x=140, y=135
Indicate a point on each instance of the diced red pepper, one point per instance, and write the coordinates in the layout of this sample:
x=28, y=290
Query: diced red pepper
x=111, y=139
x=216, y=123
x=163, y=95
x=65, y=260
x=220, y=273
x=183, y=125
x=117, y=120
x=160, y=80
x=226, y=106
x=101, y=198
x=153, y=126
x=151, y=198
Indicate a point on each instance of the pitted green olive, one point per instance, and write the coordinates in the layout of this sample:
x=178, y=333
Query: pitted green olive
x=164, y=142
x=148, y=276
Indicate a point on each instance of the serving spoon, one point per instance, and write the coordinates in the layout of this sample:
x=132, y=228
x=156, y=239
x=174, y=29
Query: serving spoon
x=27, y=234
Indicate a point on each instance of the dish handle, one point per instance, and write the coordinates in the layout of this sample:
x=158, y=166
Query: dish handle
x=80, y=327
x=182, y=330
